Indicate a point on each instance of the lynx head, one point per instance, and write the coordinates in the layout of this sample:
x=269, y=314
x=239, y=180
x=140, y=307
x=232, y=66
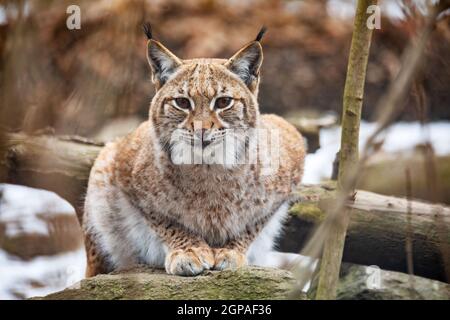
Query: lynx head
x=200, y=103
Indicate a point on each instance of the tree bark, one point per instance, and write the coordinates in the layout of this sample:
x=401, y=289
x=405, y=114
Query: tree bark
x=351, y=116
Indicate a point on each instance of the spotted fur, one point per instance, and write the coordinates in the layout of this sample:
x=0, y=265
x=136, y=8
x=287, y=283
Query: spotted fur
x=142, y=208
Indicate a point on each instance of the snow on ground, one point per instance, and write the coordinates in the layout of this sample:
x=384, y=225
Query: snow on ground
x=401, y=136
x=40, y=276
x=20, y=207
x=23, y=211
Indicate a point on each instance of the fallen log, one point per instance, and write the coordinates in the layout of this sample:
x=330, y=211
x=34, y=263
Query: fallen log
x=57, y=163
x=393, y=165
x=377, y=229
x=309, y=124
x=247, y=283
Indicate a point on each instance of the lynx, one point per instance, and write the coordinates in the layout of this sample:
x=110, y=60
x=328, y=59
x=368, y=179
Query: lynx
x=143, y=208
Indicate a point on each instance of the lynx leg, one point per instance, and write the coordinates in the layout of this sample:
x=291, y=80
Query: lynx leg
x=96, y=263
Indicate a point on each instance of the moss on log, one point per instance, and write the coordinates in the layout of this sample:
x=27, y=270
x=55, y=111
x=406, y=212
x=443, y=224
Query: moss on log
x=246, y=283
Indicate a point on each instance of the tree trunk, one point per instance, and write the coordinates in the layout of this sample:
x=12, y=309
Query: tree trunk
x=351, y=116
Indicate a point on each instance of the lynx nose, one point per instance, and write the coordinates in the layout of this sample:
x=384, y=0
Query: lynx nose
x=200, y=133
x=203, y=135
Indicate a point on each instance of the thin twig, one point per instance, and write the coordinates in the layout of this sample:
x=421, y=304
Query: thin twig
x=408, y=239
x=348, y=154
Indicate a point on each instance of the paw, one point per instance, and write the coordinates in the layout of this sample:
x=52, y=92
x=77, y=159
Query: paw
x=228, y=259
x=189, y=262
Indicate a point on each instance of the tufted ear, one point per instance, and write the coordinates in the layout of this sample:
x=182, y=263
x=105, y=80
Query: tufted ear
x=162, y=62
x=246, y=63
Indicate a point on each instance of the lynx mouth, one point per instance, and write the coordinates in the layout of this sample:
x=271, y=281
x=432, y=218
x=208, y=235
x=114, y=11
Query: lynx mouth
x=202, y=143
x=206, y=143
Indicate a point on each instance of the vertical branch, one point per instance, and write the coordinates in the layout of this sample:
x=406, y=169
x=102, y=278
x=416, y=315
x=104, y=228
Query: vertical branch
x=354, y=89
x=351, y=116
x=408, y=241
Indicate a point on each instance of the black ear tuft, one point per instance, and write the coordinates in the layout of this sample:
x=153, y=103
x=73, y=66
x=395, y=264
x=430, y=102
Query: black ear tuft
x=147, y=30
x=261, y=33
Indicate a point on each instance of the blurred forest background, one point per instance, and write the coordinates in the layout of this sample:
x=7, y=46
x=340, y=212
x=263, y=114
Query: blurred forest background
x=77, y=80
x=95, y=83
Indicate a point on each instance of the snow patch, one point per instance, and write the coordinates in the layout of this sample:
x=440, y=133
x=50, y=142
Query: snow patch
x=24, y=209
x=402, y=136
x=39, y=276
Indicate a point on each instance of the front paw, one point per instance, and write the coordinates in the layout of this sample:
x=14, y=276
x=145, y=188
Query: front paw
x=189, y=262
x=228, y=259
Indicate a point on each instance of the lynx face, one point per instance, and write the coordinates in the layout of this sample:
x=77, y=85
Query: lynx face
x=203, y=108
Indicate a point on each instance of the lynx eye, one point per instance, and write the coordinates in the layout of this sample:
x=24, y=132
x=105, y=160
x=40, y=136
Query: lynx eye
x=223, y=102
x=183, y=103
